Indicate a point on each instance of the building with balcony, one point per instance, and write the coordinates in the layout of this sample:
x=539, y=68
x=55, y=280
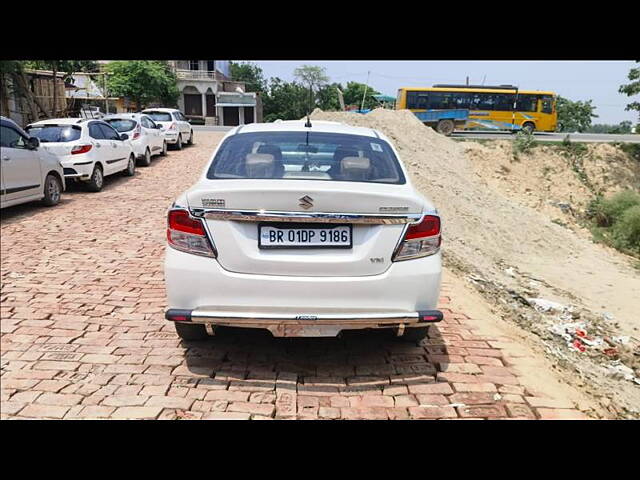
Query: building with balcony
x=207, y=93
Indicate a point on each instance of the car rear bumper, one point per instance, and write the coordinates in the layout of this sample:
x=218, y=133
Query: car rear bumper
x=291, y=325
x=171, y=137
x=285, y=304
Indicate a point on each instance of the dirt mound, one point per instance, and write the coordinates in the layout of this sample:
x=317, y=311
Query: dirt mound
x=550, y=180
x=508, y=238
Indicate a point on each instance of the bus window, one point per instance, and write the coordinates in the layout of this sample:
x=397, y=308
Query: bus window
x=546, y=104
x=526, y=103
x=418, y=100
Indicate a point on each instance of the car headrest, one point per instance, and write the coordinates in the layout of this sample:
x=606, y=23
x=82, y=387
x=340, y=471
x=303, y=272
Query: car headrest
x=356, y=167
x=259, y=165
x=342, y=152
x=272, y=150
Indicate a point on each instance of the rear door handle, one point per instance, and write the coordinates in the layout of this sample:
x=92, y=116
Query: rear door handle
x=6, y=158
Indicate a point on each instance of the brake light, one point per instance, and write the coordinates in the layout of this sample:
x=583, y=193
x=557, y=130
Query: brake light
x=420, y=240
x=173, y=126
x=187, y=233
x=80, y=149
x=136, y=132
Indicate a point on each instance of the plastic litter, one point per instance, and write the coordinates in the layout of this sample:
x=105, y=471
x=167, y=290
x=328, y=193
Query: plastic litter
x=542, y=305
x=617, y=369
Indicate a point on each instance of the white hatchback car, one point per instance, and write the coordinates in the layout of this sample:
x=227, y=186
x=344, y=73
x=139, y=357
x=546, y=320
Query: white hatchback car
x=176, y=127
x=146, y=136
x=88, y=149
x=27, y=171
x=304, y=231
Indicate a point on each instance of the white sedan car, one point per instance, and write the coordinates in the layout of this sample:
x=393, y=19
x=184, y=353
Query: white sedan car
x=304, y=231
x=88, y=149
x=27, y=171
x=176, y=127
x=146, y=136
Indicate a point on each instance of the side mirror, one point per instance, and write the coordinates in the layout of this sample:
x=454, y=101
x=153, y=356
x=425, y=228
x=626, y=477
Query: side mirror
x=33, y=143
x=158, y=126
x=124, y=136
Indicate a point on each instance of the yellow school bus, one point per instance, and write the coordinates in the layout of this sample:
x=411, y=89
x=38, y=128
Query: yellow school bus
x=502, y=107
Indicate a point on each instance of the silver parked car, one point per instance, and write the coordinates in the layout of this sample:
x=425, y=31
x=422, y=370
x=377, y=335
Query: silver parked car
x=28, y=171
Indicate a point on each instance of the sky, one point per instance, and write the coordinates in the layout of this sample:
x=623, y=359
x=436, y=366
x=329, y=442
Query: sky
x=575, y=80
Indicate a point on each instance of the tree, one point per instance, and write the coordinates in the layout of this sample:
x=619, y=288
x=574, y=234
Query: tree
x=632, y=88
x=144, y=81
x=327, y=97
x=314, y=77
x=285, y=100
x=574, y=116
x=249, y=73
x=354, y=92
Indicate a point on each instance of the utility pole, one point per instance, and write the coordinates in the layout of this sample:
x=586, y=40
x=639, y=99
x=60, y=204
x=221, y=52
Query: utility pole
x=365, y=92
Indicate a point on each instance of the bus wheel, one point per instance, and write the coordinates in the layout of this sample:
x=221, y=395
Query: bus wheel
x=445, y=127
x=528, y=127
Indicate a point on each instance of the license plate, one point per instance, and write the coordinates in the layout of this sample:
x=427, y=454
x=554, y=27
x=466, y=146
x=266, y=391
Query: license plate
x=288, y=236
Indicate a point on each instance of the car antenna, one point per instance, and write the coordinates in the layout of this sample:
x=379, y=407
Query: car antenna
x=308, y=124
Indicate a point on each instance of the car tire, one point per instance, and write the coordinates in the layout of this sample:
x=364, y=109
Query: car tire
x=179, y=142
x=131, y=166
x=163, y=153
x=445, y=127
x=96, y=182
x=528, y=127
x=146, y=159
x=52, y=190
x=190, y=142
x=415, y=334
x=191, y=331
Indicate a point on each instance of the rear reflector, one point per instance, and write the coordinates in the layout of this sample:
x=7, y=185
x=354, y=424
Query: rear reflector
x=178, y=315
x=80, y=149
x=430, y=316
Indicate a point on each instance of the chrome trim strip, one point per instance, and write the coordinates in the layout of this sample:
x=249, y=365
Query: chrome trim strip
x=203, y=313
x=310, y=217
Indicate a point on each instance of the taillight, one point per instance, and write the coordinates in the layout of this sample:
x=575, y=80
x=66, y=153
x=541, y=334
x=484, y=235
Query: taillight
x=80, y=149
x=187, y=234
x=173, y=126
x=420, y=240
x=136, y=132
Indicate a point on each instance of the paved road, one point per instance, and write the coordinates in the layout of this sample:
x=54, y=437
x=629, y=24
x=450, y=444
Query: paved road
x=552, y=137
x=83, y=333
x=211, y=128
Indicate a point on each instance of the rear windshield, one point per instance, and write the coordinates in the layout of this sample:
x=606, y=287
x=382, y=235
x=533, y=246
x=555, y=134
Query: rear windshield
x=160, y=116
x=122, y=125
x=55, y=133
x=306, y=156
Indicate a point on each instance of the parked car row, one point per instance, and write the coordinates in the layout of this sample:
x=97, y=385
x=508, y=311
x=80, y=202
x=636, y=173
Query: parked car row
x=39, y=161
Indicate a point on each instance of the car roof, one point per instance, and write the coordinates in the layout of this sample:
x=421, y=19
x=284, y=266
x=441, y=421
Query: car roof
x=320, y=126
x=7, y=122
x=128, y=116
x=61, y=121
x=166, y=110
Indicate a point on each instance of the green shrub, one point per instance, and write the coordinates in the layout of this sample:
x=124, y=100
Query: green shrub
x=606, y=212
x=626, y=231
x=616, y=221
x=631, y=149
x=524, y=142
x=573, y=148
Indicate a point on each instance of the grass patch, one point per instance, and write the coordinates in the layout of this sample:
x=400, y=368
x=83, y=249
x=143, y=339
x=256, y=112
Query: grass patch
x=524, y=142
x=631, y=149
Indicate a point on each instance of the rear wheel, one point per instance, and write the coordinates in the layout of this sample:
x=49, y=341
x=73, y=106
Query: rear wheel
x=190, y=142
x=52, y=190
x=131, y=166
x=164, y=149
x=191, y=331
x=146, y=160
x=528, y=127
x=179, y=142
x=416, y=334
x=96, y=181
x=445, y=127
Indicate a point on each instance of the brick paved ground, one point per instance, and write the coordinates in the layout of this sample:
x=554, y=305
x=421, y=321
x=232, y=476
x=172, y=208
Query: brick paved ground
x=83, y=333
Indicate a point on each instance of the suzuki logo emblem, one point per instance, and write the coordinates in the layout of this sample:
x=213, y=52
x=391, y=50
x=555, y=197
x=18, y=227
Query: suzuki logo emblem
x=306, y=202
